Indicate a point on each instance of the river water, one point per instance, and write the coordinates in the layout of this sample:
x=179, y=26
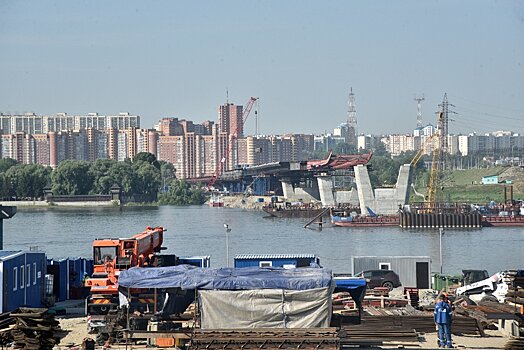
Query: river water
x=199, y=230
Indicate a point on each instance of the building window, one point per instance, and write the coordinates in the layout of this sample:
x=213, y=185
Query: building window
x=15, y=278
x=34, y=273
x=265, y=264
x=384, y=266
x=22, y=276
x=28, y=267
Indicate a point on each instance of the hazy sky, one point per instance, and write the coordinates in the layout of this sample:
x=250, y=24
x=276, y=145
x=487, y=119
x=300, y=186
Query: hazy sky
x=176, y=58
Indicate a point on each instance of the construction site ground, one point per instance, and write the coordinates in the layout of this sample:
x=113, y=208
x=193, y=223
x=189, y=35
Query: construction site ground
x=74, y=323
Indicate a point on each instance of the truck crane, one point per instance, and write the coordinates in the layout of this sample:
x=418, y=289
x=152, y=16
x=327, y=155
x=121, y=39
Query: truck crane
x=222, y=163
x=111, y=256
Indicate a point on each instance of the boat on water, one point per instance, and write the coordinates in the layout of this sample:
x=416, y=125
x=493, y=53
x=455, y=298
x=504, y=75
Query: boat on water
x=216, y=201
x=365, y=221
x=502, y=221
x=344, y=218
x=293, y=211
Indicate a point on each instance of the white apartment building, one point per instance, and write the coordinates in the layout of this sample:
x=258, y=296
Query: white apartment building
x=30, y=123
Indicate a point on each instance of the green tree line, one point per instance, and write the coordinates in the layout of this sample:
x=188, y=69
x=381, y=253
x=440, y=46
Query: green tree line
x=142, y=175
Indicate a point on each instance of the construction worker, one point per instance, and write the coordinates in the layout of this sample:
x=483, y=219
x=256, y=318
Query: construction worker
x=443, y=318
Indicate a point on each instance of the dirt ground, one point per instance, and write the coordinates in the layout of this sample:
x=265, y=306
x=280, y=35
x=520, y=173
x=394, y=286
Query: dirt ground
x=493, y=340
x=76, y=328
x=77, y=331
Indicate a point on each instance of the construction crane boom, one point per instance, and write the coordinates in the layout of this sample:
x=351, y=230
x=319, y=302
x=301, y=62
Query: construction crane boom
x=435, y=164
x=225, y=155
x=435, y=161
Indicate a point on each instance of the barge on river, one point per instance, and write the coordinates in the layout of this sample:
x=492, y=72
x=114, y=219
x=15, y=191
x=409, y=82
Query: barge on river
x=365, y=221
x=299, y=211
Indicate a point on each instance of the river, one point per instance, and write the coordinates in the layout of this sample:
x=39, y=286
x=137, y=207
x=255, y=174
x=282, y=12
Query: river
x=199, y=230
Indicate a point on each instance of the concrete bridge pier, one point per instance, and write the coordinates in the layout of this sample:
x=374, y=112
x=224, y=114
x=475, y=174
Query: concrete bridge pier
x=383, y=201
x=325, y=189
x=300, y=194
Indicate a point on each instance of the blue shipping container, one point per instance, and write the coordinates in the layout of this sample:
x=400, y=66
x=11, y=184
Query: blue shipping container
x=60, y=270
x=22, y=276
x=199, y=261
x=276, y=260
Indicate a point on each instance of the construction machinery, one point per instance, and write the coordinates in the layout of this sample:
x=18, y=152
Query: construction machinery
x=493, y=288
x=223, y=161
x=436, y=166
x=113, y=255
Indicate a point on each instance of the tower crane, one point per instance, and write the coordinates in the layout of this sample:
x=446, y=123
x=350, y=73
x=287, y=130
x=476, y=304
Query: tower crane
x=225, y=155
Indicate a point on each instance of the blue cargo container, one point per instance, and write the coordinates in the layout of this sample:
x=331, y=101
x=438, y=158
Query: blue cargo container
x=22, y=276
x=199, y=261
x=276, y=260
x=78, y=268
x=60, y=270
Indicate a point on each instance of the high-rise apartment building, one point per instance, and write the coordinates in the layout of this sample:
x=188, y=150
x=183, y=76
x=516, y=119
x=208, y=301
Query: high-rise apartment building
x=171, y=149
x=30, y=123
x=230, y=119
x=123, y=121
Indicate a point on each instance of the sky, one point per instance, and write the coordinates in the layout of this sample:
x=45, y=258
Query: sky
x=178, y=58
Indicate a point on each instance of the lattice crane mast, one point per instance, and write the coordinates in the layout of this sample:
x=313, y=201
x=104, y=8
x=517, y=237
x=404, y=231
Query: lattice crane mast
x=431, y=195
x=435, y=163
x=225, y=155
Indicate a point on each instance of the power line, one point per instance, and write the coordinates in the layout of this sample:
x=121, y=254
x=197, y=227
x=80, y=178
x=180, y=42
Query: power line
x=486, y=105
x=490, y=114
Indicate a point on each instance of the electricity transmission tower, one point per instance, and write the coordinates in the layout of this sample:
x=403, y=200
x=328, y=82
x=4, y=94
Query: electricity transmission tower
x=419, y=110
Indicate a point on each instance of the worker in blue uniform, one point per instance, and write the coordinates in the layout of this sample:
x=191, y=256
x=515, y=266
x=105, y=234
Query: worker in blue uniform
x=443, y=318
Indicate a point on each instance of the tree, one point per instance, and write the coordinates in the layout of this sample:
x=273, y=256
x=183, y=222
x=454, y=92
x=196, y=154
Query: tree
x=147, y=178
x=380, y=150
x=27, y=180
x=4, y=186
x=123, y=174
x=102, y=181
x=148, y=158
x=167, y=173
x=182, y=193
x=6, y=163
x=72, y=177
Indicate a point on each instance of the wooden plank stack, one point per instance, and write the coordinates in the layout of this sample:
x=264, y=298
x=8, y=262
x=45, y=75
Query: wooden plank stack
x=29, y=328
x=515, y=295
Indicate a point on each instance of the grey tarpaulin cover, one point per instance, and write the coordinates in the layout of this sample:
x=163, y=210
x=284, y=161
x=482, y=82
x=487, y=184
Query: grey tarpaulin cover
x=190, y=277
x=265, y=308
x=249, y=297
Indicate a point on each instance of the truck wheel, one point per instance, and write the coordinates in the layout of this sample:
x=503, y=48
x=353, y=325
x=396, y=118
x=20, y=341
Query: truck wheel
x=463, y=301
x=488, y=299
x=101, y=338
x=388, y=285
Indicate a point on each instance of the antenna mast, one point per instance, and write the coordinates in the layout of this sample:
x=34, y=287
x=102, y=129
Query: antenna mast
x=419, y=110
x=352, y=119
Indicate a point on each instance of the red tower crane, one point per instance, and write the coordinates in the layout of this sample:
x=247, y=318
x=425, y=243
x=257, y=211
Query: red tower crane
x=225, y=155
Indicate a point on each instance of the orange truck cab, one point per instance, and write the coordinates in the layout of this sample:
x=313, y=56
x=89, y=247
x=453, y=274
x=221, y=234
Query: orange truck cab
x=113, y=255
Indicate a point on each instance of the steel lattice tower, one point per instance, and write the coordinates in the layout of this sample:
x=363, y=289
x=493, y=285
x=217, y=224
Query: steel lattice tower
x=352, y=119
x=419, y=110
x=445, y=120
